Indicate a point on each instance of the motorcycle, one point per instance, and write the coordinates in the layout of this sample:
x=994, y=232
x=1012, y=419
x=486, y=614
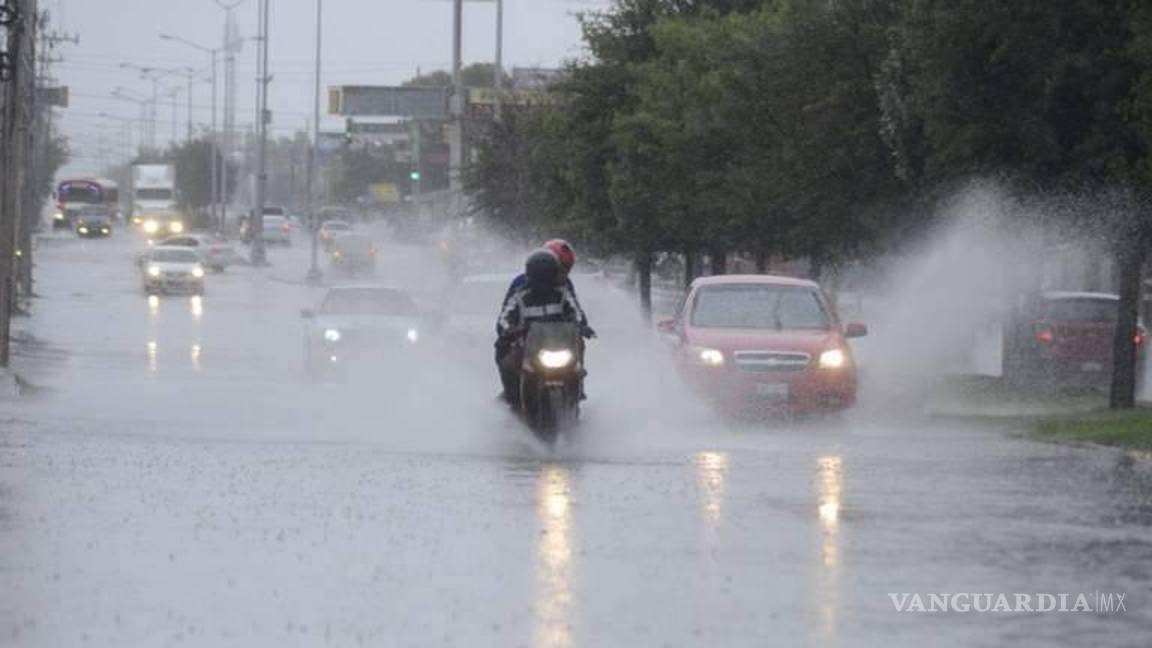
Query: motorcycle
x=551, y=377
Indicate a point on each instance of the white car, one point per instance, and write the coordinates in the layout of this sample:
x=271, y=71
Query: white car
x=172, y=269
x=360, y=323
x=474, y=306
x=330, y=229
x=217, y=253
x=277, y=231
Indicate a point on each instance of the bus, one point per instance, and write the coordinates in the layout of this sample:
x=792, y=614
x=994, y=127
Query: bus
x=74, y=194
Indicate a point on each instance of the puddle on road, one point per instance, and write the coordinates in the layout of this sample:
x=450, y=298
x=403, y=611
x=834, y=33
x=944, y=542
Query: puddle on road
x=553, y=609
x=829, y=489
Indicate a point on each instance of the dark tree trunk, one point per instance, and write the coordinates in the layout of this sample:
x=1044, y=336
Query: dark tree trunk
x=689, y=267
x=762, y=261
x=719, y=262
x=1129, y=262
x=644, y=276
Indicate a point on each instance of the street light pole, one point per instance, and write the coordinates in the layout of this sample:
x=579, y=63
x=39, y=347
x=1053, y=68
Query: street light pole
x=215, y=208
x=456, y=153
x=314, y=268
x=498, y=82
x=259, y=256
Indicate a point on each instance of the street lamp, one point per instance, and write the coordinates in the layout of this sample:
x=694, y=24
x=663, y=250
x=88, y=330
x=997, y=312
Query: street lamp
x=217, y=169
x=314, y=267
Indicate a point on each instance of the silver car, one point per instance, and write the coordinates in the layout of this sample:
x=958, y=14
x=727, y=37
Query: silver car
x=360, y=323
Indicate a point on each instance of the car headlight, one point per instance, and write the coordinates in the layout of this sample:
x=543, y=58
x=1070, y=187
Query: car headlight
x=833, y=359
x=153, y=271
x=59, y=216
x=176, y=227
x=332, y=335
x=136, y=220
x=413, y=335
x=82, y=230
x=198, y=272
x=555, y=359
x=105, y=230
x=151, y=227
x=707, y=357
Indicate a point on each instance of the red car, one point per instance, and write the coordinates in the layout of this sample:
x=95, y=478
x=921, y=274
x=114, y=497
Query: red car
x=766, y=343
x=1064, y=339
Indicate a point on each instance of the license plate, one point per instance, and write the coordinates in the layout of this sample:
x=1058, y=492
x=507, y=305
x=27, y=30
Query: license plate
x=777, y=390
x=1092, y=366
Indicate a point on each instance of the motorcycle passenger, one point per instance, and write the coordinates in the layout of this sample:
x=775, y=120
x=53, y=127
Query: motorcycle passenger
x=542, y=297
x=567, y=258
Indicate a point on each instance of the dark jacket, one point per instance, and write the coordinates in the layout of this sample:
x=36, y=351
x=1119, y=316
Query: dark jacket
x=521, y=282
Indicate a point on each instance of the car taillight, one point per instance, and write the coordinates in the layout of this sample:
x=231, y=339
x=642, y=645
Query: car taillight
x=284, y=228
x=1141, y=335
x=371, y=251
x=1046, y=336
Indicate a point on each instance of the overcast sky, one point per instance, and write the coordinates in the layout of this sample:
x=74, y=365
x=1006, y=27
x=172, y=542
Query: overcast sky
x=365, y=42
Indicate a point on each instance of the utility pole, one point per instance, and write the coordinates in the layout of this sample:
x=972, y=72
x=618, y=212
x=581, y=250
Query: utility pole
x=310, y=182
x=456, y=138
x=17, y=83
x=259, y=256
x=217, y=182
x=231, y=45
x=498, y=81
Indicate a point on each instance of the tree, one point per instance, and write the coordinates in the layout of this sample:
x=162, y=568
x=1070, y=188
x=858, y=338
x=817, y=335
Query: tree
x=193, y=166
x=1048, y=96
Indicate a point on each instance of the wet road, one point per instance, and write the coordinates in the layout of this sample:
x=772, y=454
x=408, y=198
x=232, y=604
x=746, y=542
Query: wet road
x=177, y=481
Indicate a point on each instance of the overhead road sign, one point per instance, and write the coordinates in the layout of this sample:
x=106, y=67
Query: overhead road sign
x=388, y=101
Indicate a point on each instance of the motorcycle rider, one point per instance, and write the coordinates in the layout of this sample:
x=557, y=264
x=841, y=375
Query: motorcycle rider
x=543, y=296
x=567, y=258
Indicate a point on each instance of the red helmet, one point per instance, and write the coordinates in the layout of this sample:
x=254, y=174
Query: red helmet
x=563, y=252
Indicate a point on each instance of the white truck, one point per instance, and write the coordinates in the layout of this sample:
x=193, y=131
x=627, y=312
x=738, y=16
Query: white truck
x=153, y=188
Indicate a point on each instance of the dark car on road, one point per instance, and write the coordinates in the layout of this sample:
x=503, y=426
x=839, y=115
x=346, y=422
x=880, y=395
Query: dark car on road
x=1063, y=339
x=94, y=222
x=353, y=255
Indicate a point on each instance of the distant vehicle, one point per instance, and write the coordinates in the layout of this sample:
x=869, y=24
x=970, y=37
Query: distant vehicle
x=764, y=343
x=330, y=229
x=474, y=305
x=277, y=231
x=94, y=221
x=153, y=190
x=217, y=253
x=158, y=224
x=335, y=213
x=73, y=195
x=360, y=323
x=1063, y=339
x=173, y=269
x=270, y=213
x=352, y=254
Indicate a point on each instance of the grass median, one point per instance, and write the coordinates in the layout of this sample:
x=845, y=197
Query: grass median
x=1123, y=429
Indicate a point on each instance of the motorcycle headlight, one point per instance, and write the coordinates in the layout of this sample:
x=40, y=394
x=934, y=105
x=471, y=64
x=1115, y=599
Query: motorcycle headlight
x=151, y=227
x=833, y=359
x=555, y=359
x=332, y=335
x=413, y=335
x=198, y=272
x=153, y=271
x=707, y=357
x=176, y=227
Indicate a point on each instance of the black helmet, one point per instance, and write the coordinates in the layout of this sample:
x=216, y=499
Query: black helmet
x=542, y=269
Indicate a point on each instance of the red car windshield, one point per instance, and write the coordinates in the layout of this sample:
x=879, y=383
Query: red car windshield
x=1087, y=310
x=759, y=306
